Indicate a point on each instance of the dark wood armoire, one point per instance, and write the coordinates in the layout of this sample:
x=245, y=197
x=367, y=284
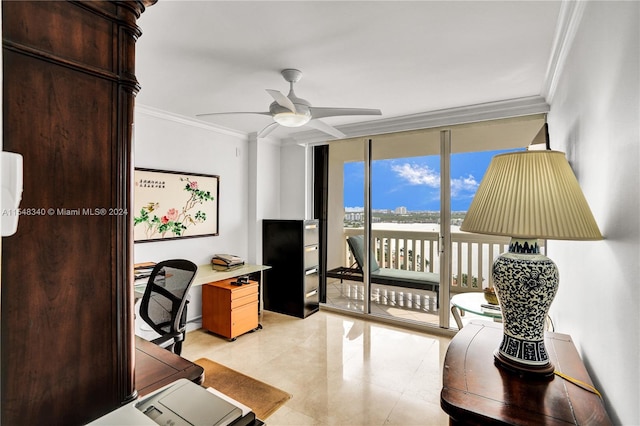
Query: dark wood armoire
x=67, y=301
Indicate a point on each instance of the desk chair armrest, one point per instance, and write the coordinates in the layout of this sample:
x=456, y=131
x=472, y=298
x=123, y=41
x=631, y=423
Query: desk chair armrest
x=175, y=337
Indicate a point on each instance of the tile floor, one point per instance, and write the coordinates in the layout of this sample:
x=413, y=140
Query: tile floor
x=340, y=370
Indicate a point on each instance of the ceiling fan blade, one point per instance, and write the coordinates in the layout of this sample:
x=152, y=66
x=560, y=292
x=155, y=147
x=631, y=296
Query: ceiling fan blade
x=282, y=100
x=319, y=112
x=268, y=129
x=324, y=127
x=224, y=113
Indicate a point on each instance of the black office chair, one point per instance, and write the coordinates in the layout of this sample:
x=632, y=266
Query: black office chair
x=164, y=303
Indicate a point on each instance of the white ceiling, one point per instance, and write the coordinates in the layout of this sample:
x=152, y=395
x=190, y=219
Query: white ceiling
x=403, y=57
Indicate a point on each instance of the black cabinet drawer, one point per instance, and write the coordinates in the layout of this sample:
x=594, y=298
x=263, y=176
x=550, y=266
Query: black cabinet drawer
x=311, y=279
x=310, y=256
x=311, y=301
x=311, y=234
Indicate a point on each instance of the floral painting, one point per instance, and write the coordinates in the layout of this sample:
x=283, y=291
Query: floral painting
x=174, y=205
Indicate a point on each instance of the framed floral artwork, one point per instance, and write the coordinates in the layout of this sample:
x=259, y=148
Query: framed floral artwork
x=170, y=205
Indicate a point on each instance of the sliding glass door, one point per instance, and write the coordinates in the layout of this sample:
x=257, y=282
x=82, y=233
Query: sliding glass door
x=405, y=229
x=346, y=217
x=395, y=205
x=384, y=228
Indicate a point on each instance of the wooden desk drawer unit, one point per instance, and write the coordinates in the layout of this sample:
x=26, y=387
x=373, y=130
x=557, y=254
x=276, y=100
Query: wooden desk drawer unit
x=230, y=310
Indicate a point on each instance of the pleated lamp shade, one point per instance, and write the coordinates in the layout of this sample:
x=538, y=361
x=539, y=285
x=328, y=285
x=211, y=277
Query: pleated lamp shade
x=531, y=194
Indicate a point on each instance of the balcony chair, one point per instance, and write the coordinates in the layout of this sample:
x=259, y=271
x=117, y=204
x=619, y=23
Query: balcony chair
x=428, y=281
x=164, y=303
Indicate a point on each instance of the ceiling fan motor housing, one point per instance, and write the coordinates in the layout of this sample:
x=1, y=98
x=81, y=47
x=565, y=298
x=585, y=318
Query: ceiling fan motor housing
x=291, y=75
x=301, y=108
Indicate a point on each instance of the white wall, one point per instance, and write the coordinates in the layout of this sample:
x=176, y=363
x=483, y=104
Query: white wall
x=294, y=181
x=594, y=118
x=267, y=184
x=165, y=142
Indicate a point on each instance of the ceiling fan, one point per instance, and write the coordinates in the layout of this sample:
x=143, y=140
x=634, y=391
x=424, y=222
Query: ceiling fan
x=292, y=111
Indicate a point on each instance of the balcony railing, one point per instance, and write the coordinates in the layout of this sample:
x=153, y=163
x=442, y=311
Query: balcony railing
x=472, y=255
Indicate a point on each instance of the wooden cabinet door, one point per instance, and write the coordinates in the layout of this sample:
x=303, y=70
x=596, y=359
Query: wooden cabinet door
x=67, y=311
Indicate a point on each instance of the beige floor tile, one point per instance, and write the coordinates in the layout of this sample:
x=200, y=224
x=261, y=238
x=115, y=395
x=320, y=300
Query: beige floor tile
x=340, y=370
x=412, y=411
x=288, y=416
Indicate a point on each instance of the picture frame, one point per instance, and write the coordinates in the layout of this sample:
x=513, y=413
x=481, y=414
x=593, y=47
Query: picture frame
x=171, y=205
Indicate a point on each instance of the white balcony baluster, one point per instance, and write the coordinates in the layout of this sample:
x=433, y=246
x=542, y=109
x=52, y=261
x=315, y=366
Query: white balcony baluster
x=473, y=256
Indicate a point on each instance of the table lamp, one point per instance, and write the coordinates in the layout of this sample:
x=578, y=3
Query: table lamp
x=528, y=195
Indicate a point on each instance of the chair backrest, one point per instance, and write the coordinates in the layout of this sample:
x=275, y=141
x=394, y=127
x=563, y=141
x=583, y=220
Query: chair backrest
x=165, y=296
x=356, y=244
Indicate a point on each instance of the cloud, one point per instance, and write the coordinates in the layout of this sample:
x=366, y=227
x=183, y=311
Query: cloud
x=415, y=174
x=467, y=185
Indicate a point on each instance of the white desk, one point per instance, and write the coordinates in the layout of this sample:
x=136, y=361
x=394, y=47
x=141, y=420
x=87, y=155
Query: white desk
x=206, y=274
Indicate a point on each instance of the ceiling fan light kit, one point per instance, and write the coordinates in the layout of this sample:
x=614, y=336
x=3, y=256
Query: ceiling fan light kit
x=291, y=119
x=292, y=111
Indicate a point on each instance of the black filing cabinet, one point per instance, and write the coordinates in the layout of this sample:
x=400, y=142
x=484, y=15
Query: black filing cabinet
x=290, y=247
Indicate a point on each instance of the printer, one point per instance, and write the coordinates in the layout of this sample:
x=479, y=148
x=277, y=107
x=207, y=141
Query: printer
x=182, y=403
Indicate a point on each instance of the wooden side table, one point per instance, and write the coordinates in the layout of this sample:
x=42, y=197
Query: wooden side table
x=230, y=310
x=477, y=392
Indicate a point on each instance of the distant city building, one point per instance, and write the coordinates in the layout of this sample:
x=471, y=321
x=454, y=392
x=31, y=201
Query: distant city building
x=354, y=216
x=400, y=210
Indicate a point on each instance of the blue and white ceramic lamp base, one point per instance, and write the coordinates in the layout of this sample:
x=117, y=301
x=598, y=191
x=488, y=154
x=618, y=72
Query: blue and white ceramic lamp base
x=526, y=283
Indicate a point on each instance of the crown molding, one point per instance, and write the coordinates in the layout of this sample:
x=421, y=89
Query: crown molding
x=440, y=118
x=177, y=118
x=569, y=19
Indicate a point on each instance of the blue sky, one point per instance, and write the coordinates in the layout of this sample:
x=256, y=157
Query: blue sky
x=415, y=182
